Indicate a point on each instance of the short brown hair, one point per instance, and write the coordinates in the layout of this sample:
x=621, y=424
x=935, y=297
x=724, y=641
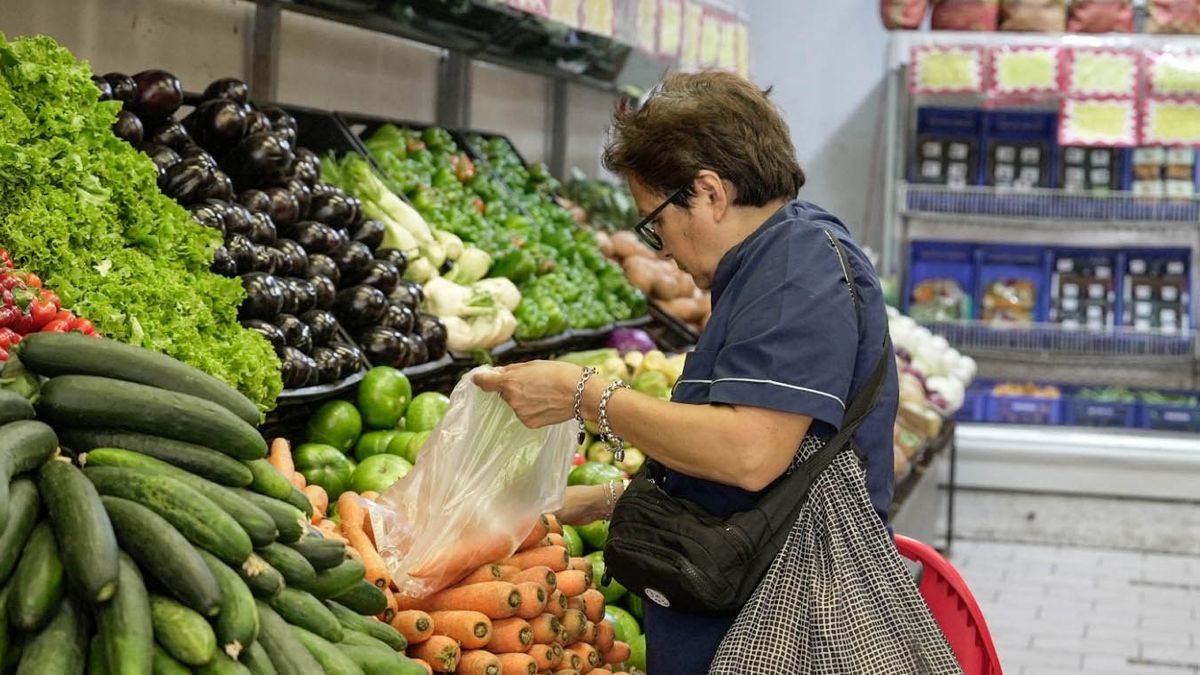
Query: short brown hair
x=715, y=121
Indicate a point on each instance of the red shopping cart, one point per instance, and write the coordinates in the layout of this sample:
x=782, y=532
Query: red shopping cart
x=954, y=608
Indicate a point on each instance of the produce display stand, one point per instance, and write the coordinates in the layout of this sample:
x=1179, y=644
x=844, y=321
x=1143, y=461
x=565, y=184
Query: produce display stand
x=918, y=504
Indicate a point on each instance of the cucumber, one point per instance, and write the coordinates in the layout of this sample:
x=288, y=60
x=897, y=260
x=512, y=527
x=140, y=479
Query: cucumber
x=24, y=446
x=164, y=554
x=364, y=598
x=37, y=585
x=263, y=580
x=289, y=521
x=237, y=623
x=61, y=646
x=194, y=515
x=288, y=654
x=256, y=660
x=87, y=401
x=298, y=499
x=332, y=660
x=336, y=580
x=95, y=661
x=123, y=624
x=302, y=609
x=368, y=626
x=183, y=633
x=197, y=459
x=14, y=406
x=380, y=660
x=24, y=506
x=353, y=637
x=85, y=536
x=222, y=665
x=294, y=567
x=8, y=640
x=268, y=480
x=53, y=354
x=321, y=553
x=164, y=664
x=257, y=524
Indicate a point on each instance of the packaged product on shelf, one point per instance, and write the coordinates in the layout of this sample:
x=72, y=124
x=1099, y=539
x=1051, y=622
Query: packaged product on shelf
x=1179, y=172
x=1011, y=284
x=1083, y=289
x=947, y=147
x=1089, y=169
x=941, y=281
x=1101, y=16
x=1155, y=290
x=1020, y=149
x=1172, y=16
x=1038, y=16
x=902, y=14
x=976, y=15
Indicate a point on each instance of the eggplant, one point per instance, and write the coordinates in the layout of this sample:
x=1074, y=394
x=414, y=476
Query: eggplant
x=329, y=364
x=433, y=332
x=255, y=200
x=418, y=350
x=295, y=332
x=303, y=195
x=303, y=296
x=273, y=333
x=171, y=134
x=282, y=123
x=293, y=261
x=356, y=207
x=352, y=258
x=285, y=208
x=162, y=156
x=264, y=260
x=394, y=256
x=223, y=263
x=325, y=289
x=408, y=293
x=324, y=265
x=399, y=317
x=351, y=357
x=209, y=215
x=359, y=306
x=264, y=297
x=262, y=230
x=188, y=180
x=299, y=370
x=217, y=124
x=322, y=190
x=334, y=209
x=257, y=123
x=221, y=187
x=317, y=238
x=159, y=95
x=124, y=89
x=242, y=251
x=383, y=346
x=259, y=160
x=106, y=92
x=370, y=232
x=382, y=275
x=228, y=87
x=128, y=128
x=321, y=324
x=307, y=172
x=195, y=152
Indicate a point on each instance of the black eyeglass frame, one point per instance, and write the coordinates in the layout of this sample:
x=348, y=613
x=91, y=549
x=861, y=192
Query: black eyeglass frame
x=645, y=231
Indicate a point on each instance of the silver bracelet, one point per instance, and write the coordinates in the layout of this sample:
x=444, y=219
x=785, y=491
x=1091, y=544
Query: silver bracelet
x=606, y=433
x=610, y=500
x=583, y=380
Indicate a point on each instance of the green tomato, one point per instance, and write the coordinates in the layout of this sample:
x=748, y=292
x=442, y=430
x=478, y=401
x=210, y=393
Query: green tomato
x=415, y=444
x=574, y=542
x=594, y=534
x=383, y=396
x=337, y=423
x=326, y=466
x=613, y=590
x=637, y=653
x=378, y=473
x=373, y=443
x=594, y=473
x=625, y=627
x=426, y=411
x=634, y=604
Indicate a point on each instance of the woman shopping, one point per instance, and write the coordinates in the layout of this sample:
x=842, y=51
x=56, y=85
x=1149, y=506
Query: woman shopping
x=758, y=531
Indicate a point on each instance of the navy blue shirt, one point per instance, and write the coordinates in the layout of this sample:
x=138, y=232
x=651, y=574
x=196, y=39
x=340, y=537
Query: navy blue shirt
x=783, y=335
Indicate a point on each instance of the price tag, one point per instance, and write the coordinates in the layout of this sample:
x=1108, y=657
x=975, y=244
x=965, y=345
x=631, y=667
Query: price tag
x=693, y=20
x=1174, y=74
x=598, y=17
x=743, y=48
x=670, y=27
x=1098, y=122
x=728, y=59
x=647, y=25
x=565, y=12
x=1171, y=122
x=710, y=38
x=1101, y=72
x=946, y=70
x=1024, y=71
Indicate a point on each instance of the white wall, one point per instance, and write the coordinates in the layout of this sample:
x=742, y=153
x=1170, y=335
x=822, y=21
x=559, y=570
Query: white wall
x=826, y=61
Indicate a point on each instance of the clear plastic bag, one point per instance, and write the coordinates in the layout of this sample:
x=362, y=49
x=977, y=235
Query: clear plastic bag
x=479, y=485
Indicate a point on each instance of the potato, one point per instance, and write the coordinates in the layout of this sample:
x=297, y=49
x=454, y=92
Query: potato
x=640, y=272
x=665, y=287
x=626, y=244
x=605, y=243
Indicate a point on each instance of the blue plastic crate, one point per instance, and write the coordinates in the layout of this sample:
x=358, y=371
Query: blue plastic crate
x=1024, y=410
x=1150, y=268
x=1021, y=132
x=936, y=261
x=957, y=136
x=1000, y=263
x=974, y=408
x=1167, y=417
x=1084, y=412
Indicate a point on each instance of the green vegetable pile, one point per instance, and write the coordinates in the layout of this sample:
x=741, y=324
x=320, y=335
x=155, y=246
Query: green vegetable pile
x=82, y=209
x=608, y=206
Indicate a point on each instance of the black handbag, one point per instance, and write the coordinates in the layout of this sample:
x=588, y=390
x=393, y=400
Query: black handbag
x=674, y=553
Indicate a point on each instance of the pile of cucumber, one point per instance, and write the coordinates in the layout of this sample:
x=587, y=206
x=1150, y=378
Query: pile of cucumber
x=142, y=531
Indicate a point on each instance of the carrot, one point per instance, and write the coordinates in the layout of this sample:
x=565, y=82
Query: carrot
x=509, y=572
x=330, y=530
x=495, y=599
x=488, y=572
x=572, y=583
x=319, y=500
x=583, y=565
x=546, y=629
x=555, y=527
x=587, y=654
x=540, y=529
x=540, y=575
x=554, y=557
x=566, y=671
x=388, y=613
x=618, y=654
x=414, y=625
x=573, y=624
x=589, y=633
x=280, y=456
x=428, y=668
x=438, y=651
x=517, y=664
x=376, y=569
x=556, y=604
x=545, y=657
x=298, y=480
x=605, y=634
x=556, y=540
x=533, y=600
x=472, y=629
x=571, y=661
x=590, y=602
x=600, y=671
x=370, y=495
x=478, y=662
x=510, y=636
x=464, y=556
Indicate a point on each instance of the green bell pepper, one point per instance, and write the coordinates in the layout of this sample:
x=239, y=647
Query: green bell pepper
x=326, y=466
x=517, y=266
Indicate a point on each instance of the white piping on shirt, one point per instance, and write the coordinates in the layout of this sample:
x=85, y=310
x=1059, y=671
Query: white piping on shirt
x=754, y=381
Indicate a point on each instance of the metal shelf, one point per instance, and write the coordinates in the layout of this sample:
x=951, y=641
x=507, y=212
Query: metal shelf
x=1146, y=372
x=902, y=42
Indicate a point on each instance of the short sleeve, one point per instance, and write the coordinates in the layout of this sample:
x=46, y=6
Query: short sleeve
x=792, y=335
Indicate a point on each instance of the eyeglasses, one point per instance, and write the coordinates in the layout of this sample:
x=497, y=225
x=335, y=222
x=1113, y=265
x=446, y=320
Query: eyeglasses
x=645, y=228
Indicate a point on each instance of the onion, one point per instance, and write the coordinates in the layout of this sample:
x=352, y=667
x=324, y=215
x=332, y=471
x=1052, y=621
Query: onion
x=630, y=340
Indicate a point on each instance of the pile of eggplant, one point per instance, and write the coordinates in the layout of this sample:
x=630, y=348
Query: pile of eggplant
x=310, y=262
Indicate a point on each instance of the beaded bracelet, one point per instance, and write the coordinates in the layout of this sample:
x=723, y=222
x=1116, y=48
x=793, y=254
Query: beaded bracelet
x=583, y=380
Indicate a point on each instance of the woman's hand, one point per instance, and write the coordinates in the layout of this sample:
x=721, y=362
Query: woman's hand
x=541, y=393
x=584, y=504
